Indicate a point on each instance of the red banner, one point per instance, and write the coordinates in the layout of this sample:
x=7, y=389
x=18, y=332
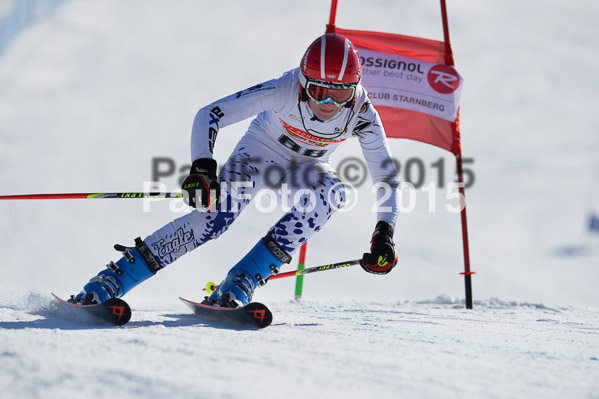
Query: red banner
x=413, y=85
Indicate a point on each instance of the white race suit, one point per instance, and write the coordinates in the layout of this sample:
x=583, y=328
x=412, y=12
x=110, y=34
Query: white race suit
x=287, y=150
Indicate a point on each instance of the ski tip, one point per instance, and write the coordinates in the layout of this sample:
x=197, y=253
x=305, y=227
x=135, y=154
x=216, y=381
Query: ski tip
x=187, y=301
x=59, y=299
x=114, y=311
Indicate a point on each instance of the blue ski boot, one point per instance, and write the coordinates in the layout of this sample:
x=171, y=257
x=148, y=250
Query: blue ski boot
x=252, y=271
x=137, y=265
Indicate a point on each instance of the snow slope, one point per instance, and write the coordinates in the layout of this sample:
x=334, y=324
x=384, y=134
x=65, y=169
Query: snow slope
x=90, y=94
x=343, y=349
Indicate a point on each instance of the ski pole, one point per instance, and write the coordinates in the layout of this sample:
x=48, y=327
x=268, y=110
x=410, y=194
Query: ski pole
x=315, y=269
x=210, y=287
x=90, y=196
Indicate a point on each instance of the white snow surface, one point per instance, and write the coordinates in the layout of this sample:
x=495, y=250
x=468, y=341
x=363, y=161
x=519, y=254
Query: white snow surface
x=335, y=349
x=91, y=93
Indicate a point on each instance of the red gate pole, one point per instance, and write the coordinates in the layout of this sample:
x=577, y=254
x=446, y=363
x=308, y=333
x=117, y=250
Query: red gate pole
x=331, y=24
x=458, y=154
x=448, y=51
x=467, y=273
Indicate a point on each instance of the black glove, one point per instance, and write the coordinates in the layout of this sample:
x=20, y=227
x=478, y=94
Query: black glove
x=381, y=258
x=202, y=178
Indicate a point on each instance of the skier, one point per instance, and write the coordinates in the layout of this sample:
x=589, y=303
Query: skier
x=301, y=119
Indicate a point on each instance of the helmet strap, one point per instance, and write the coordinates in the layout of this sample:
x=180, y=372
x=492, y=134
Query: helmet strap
x=303, y=94
x=351, y=103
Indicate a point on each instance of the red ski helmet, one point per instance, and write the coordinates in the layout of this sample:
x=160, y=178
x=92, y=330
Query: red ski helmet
x=332, y=58
x=331, y=62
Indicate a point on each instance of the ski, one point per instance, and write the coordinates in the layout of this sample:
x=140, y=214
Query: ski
x=254, y=315
x=114, y=311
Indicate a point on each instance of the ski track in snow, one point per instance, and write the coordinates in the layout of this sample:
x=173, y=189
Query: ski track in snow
x=351, y=349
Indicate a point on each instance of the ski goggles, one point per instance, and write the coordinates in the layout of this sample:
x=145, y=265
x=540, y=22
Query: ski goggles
x=323, y=92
